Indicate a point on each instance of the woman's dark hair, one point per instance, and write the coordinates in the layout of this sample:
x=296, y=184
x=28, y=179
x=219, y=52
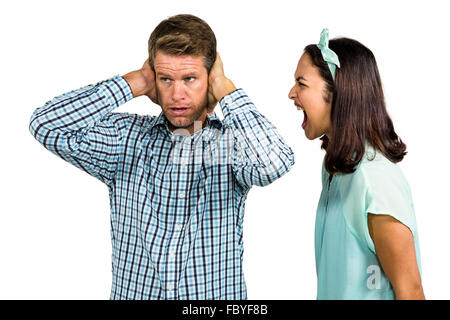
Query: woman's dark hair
x=358, y=109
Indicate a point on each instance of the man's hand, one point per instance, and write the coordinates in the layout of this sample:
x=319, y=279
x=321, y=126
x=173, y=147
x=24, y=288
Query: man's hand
x=142, y=82
x=218, y=85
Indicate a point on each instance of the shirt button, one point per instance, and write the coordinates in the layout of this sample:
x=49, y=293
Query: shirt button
x=228, y=100
x=177, y=227
x=181, y=195
x=172, y=255
x=183, y=164
x=170, y=287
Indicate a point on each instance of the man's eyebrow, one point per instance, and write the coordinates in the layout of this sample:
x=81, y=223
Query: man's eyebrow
x=190, y=74
x=184, y=75
x=162, y=73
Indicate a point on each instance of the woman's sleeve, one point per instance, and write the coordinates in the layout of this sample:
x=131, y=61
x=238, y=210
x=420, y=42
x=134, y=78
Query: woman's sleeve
x=383, y=190
x=388, y=193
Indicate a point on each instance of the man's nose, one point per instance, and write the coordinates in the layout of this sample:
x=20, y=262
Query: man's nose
x=178, y=91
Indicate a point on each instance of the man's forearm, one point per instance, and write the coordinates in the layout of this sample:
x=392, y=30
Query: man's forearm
x=80, y=127
x=264, y=153
x=71, y=112
x=134, y=79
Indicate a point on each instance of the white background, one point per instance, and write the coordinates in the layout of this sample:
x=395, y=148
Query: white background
x=54, y=219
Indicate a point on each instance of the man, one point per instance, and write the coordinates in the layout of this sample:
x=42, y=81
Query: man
x=177, y=181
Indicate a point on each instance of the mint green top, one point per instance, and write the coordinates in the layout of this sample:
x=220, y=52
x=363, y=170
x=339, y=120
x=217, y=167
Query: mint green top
x=346, y=262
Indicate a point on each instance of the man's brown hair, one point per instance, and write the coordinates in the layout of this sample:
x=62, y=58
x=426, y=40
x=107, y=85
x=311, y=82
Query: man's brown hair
x=183, y=34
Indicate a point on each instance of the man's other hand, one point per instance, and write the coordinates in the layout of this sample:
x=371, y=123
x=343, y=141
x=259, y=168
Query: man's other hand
x=218, y=85
x=142, y=82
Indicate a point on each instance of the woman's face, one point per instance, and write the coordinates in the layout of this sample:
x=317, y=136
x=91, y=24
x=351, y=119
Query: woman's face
x=308, y=95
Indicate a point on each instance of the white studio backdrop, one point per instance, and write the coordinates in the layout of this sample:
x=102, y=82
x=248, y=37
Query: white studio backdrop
x=54, y=218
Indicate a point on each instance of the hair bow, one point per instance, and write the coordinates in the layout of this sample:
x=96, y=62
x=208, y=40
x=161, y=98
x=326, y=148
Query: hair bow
x=328, y=55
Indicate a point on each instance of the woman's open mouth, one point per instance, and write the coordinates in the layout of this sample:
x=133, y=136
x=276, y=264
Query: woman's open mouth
x=305, y=120
x=305, y=116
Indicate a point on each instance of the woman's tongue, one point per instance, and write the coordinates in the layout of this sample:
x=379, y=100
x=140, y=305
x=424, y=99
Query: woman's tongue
x=305, y=119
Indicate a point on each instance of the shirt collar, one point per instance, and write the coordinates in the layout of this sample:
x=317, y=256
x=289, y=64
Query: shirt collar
x=161, y=121
x=213, y=120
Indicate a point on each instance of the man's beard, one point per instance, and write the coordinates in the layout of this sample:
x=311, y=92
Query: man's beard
x=185, y=122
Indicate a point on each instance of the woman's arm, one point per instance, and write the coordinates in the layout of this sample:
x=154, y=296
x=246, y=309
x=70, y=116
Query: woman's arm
x=394, y=246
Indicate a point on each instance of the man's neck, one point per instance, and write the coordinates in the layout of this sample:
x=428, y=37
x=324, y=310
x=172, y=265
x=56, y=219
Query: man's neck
x=197, y=125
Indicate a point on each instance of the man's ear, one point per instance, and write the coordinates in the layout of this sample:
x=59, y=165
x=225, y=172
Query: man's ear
x=212, y=102
x=157, y=95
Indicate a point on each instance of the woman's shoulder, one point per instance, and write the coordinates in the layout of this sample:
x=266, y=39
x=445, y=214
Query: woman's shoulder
x=378, y=186
x=375, y=166
x=375, y=171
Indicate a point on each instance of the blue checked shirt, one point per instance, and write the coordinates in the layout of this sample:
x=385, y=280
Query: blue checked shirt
x=177, y=201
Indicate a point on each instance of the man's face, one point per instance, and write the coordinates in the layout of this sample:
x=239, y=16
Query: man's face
x=182, y=86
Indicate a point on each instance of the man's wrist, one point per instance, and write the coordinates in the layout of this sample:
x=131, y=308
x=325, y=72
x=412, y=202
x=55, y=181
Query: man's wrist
x=134, y=79
x=221, y=87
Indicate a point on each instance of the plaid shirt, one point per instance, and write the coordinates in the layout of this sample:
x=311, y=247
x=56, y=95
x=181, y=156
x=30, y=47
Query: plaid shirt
x=177, y=201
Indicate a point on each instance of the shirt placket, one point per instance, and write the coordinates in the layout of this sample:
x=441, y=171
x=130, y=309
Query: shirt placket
x=180, y=163
x=325, y=213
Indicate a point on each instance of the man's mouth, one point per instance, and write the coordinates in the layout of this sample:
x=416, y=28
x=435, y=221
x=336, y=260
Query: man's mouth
x=179, y=110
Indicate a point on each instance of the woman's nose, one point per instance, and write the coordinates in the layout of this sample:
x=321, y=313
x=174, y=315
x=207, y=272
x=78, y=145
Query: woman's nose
x=292, y=94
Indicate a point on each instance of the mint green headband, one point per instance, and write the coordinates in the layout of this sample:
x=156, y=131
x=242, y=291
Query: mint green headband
x=328, y=55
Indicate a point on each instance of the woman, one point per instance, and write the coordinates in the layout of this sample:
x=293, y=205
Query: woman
x=366, y=236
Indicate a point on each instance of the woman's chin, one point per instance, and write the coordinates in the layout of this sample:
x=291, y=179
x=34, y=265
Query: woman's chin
x=307, y=133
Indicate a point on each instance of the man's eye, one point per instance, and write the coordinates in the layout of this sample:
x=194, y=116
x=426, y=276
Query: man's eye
x=165, y=80
x=300, y=84
x=189, y=79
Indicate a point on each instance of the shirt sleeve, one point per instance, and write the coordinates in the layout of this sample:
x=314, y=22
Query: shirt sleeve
x=261, y=155
x=79, y=127
x=383, y=190
x=388, y=193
